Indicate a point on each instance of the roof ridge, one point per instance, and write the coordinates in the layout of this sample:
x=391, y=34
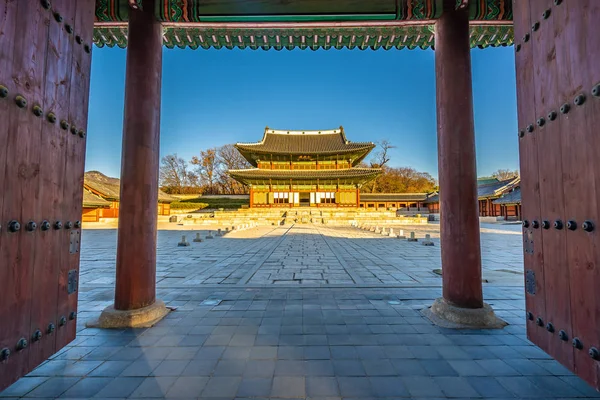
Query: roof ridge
x=305, y=131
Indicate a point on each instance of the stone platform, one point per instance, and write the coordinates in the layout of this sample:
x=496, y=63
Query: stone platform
x=296, y=215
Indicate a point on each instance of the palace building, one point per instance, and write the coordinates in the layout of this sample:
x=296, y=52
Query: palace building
x=102, y=195
x=304, y=169
x=495, y=198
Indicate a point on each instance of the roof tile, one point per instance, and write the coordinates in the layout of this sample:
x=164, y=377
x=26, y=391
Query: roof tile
x=110, y=188
x=305, y=143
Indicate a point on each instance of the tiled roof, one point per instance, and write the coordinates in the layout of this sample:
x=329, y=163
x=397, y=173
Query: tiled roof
x=495, y=189
x=348, y=173
x=105, y=186
x=435, y=198
x=109, y=188
x=90, y=200
x=489, y=188
x=305, y=142
x=393, y=196
x=513, y=197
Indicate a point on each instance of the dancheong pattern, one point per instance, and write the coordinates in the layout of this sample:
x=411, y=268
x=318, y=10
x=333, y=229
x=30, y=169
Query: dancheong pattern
x=184, y=32
x=406, y=10
x=398, y=37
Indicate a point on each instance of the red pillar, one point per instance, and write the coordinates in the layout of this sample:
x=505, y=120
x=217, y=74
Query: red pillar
x=461, y=253
x=136, y=249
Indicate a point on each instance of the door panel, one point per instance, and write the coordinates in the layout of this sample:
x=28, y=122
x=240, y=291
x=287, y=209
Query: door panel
x=38, y=56
x=580, y=157
x=563, y=54
x=532, y=241
x=548, y=130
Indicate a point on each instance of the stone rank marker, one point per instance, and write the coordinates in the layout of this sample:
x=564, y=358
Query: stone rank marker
x=184, y=242
x=427, y=241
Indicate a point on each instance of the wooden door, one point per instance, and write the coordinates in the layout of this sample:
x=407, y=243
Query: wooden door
x=557, y=46
x=45, y=58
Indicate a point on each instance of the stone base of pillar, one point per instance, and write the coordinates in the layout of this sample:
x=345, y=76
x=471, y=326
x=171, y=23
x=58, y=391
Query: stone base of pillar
x=138, y=318
x=446, y=315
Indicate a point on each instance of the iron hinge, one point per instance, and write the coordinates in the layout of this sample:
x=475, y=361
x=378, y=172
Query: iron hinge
x=530, y=281
x=74, y=241
x=73, y=281
x=528, y=241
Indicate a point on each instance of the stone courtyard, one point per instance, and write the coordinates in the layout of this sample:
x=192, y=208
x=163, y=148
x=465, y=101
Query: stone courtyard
x=302, y=312
x=304, y=254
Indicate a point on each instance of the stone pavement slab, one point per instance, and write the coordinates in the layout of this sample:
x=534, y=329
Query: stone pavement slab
x=302, y=312
x=309, y=255
x=301, y=343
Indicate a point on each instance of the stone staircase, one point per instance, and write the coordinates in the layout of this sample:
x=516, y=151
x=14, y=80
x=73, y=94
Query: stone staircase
x=302, y=215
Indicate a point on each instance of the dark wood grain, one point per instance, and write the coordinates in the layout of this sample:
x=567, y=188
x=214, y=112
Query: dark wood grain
x=461, y=253
x=74, y=165
x=52, y=141
x=136, y=248
x=9, y=328
x=21, y=180
x=37, y=29
x=579, y=144
x=560, y=181
x=530, y=188
x=552, y=207
x=38, y=61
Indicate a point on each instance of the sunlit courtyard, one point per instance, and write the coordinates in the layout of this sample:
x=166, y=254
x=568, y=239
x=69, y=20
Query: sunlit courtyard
x=304, y=254
x=304, y=312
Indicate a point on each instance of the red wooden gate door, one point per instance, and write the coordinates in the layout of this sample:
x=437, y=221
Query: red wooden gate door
x=45, y=56
x=557, y=44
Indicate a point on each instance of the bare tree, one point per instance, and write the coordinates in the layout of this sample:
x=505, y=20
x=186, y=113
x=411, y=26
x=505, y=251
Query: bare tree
x=230, y=158
x=207, y=166
x=504, y=174
x=174, y=175
x=381, y=158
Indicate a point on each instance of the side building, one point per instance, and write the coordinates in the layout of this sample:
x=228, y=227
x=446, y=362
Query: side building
x=108, y=189
x=93, y=207
x=304, y=169
x=510, y=205
x=405, y=202
x=489, y=191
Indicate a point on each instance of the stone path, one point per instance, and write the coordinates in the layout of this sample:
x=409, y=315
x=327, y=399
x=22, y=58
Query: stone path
x=301, y=312
x=305, y=255
x=301, y=343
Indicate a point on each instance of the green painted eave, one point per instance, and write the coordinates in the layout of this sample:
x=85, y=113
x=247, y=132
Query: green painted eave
x=307, y=37
x=304, y=24
x=186, y=11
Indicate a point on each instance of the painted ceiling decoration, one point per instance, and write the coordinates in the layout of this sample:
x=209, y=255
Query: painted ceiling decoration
x=301, y=10
x=397, y=37
x=271, y=24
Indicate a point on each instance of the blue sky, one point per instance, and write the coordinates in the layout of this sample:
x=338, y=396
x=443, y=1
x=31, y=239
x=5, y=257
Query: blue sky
x=215, y=97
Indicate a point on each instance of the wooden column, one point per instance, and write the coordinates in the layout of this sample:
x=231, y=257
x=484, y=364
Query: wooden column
x=136, y=249
x=461, y=253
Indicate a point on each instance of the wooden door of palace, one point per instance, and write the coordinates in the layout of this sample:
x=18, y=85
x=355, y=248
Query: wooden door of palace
x=45, y=59
x=557, y=44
